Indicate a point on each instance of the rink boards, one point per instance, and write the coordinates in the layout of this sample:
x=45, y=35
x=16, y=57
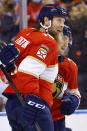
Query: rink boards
x=76, y=121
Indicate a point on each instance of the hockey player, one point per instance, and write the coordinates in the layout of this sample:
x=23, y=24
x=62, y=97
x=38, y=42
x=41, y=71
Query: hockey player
x=36, y=69
x=66, y=94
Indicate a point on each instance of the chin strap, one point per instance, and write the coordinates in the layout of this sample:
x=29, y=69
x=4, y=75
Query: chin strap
x=46, y=27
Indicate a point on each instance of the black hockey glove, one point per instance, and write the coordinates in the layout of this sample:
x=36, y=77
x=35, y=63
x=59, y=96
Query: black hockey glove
x=32, y=106
x=69, y=104
x=8, y=54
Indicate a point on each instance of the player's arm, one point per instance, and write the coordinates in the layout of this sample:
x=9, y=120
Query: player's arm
x=71, y=99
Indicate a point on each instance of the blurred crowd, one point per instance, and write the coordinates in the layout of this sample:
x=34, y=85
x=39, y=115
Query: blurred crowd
x=76, y=19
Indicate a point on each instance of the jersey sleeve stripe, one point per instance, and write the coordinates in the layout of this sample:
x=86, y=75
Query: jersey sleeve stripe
x=73, y=92
x=50, y=66
x=29, y=73
x=49, y=74
x=31, y=65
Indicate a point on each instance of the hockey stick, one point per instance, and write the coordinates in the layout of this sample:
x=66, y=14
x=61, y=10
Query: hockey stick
x=15, y=90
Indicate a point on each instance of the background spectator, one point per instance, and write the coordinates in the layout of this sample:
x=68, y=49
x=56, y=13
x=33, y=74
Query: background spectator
x=9, y=21
x=33, y=9
x=78, y=24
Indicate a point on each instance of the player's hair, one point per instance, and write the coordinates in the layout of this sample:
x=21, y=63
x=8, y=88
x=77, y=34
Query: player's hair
x=67, y=32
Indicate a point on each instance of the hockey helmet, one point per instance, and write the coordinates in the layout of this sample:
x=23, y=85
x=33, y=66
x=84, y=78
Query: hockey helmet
x=67, y=32
x=51, y=10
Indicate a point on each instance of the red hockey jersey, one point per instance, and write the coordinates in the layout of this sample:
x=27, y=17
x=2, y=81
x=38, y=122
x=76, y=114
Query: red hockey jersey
x=37, y=65
x=67, y=79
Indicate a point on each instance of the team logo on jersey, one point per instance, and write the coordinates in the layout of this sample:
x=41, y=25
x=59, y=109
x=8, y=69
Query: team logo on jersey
x=58, y=86
x=42, y=53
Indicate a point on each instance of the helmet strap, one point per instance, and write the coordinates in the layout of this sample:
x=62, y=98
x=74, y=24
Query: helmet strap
x=46, y=27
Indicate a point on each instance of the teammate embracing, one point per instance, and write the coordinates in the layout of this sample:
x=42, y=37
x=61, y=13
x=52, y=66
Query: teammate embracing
x=35, y=72
x=66, y=94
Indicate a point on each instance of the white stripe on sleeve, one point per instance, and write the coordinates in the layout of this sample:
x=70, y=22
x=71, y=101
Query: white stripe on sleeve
x=31, y=65
x=50, y=73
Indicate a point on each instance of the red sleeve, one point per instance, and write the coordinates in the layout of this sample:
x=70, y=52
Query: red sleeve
x=72, y=79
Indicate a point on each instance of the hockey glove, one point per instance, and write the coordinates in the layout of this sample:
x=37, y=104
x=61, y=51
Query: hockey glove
x=8, y=54
x=69, y=104
x=33, y=105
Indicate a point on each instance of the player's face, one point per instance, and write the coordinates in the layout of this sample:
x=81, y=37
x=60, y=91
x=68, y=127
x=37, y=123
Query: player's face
x=58, y=23
x=62, y=47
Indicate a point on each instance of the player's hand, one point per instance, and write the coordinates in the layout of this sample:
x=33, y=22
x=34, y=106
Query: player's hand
x=32, y=106
x=69, y=104
x=8, y=54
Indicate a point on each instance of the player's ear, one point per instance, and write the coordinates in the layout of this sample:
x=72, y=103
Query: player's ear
x=46, y=21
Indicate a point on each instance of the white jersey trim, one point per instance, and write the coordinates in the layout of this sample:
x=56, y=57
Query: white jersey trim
x=50, y=74
x=73, y=91
x=32, y=66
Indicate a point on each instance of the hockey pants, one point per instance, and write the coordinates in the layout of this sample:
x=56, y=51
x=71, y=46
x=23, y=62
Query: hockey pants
x=17, y=122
